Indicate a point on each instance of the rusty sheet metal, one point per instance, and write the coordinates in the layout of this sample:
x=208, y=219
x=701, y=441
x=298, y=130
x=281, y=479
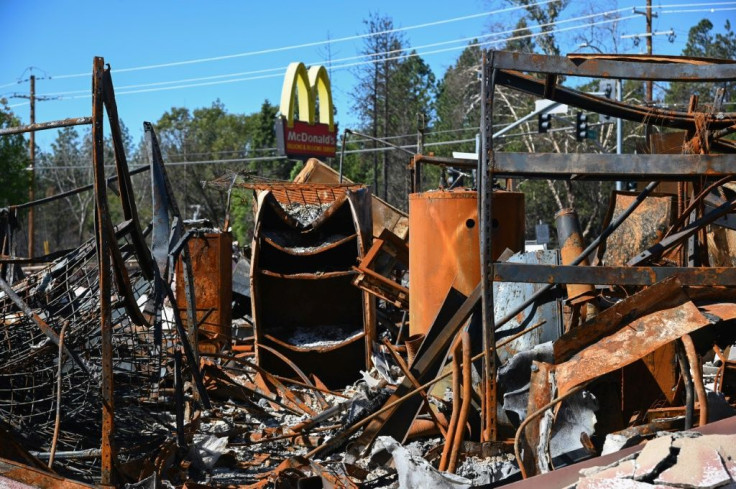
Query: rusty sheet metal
x=664, y=295
x=303, y=302
x=385, y=216
x=211, y=257
x=14, y=475
x=301, y=193
x=540, y=394
x=444, y=249
x=637, y=339
x=646, y=226
x=670, y=68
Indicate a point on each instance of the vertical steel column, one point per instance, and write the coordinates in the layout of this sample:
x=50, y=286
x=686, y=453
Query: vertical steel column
x=485, y=196
x=103, y=260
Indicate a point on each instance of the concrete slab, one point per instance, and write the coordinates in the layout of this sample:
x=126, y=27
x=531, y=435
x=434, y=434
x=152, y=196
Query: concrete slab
x=652, y=457
x=698, y=466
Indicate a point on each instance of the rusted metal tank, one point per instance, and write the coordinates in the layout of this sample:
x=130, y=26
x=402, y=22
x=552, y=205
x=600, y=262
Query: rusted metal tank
x=444, y=247
x=211, y=256
x=307, y=239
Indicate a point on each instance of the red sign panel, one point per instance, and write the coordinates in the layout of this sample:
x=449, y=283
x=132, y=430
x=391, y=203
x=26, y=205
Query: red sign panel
x=305, y=140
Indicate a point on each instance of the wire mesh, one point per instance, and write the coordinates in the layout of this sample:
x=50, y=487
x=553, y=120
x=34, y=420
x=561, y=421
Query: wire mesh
x=66, y=292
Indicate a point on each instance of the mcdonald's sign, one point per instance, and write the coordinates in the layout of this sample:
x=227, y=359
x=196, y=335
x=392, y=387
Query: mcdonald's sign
x=304, y=136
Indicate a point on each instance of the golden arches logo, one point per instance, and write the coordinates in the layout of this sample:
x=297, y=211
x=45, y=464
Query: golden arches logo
x=302, y=136
x=306, y=86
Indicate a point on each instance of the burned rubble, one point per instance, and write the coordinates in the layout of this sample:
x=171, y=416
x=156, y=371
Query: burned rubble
x=360, y=355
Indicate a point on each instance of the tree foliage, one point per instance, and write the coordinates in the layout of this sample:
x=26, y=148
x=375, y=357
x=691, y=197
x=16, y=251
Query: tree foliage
x=395, y=93
x=701, y=42
x=13, y=161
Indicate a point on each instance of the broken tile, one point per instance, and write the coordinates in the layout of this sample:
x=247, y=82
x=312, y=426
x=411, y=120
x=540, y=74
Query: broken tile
x=698, y=465
x=652, y=457
x=725, y=445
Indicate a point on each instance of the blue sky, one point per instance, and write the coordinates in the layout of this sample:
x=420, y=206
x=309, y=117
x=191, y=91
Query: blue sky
x=59, y=39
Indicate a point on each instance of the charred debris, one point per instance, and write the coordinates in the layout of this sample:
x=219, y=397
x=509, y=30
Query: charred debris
x=122, y=363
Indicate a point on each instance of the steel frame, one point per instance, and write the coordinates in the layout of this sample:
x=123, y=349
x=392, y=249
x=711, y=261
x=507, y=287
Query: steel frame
x=503, y=68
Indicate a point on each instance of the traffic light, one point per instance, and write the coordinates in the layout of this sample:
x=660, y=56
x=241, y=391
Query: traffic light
x=581, y=126
x=544, y=122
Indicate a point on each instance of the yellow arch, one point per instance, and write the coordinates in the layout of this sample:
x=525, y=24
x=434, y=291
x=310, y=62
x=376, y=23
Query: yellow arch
x=297, y=77
x=319, y=82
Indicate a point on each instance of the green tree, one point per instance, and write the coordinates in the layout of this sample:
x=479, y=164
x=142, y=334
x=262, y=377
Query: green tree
x=204, y=134
x=393, y=92
x=13, y=161
x=701, y=42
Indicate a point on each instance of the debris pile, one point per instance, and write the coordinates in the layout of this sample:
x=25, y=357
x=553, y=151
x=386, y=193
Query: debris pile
x=341, y=353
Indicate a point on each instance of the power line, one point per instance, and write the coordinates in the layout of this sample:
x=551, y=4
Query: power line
x=360, y=36
x=279, y=72
x=282, y=69
x=315, y=43
x=361, y=63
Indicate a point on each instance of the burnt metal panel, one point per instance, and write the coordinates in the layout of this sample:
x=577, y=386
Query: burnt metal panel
x=612, y=166
x=663, y=68
x=211, y=257
x=508, y=295
x=615, y=275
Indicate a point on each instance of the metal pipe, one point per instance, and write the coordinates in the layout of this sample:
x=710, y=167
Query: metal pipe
x=696, y=372
x=75, y=191
x=450, y=436
x=342, y=150
x=465, y=408
x=73, y=121
x=339, y=438
x=57, y=421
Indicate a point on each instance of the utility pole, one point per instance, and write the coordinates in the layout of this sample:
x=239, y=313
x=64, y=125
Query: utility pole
x=649, y=35
x=32, y=153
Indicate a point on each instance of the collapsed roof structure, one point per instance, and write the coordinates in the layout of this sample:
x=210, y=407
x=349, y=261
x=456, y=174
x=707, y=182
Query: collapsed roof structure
x=120, y=362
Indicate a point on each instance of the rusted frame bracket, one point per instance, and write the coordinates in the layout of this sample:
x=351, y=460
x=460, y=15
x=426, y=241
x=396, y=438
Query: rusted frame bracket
x=487, y=164
x=609, y=275
x=373, y=282
x=102, y=225
x=127, y=198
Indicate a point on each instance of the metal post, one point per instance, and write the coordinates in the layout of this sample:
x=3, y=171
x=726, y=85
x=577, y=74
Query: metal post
x=105, y=288
x=619, y=128
x=485, y=195
x=32, y=155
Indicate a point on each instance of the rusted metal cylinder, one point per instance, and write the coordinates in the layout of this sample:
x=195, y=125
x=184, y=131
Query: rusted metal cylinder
x=444, y=247
x=571, y=246
x=211, y=256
